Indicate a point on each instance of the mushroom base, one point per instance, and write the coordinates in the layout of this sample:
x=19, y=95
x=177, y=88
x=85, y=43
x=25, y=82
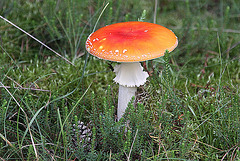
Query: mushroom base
x=124, y=97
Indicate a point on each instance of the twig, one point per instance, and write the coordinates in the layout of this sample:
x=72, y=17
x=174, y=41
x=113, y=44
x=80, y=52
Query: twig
x=36, y=40
x=128, y=158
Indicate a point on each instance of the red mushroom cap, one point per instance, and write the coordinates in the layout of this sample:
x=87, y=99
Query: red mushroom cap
x=131, y=42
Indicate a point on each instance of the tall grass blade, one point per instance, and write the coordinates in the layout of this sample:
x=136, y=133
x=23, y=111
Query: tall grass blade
x=36, y=40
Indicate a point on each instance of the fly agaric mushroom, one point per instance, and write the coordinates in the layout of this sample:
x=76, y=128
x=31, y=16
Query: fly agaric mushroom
x=130, y=43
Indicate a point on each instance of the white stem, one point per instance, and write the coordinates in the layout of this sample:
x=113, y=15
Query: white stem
x=129, y=76
x=124, y=97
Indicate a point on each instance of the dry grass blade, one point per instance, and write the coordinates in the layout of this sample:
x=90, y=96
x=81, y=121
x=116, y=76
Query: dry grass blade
x=35, y=150
x=212, y=29
x=33, y=89
x=234, y=147
x=36, y=40
x=161, y=144
x=13, y=80
x=234, y=155
x=196, y=141
x=232, y=47
x=6, y=140
x=128, y=158
x=155, y=12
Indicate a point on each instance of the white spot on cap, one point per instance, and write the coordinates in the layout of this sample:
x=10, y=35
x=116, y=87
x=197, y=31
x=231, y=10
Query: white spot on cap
x=90, y=43
x=116, y=51
x=146, y=31
x=88, y=49
x=124, y=51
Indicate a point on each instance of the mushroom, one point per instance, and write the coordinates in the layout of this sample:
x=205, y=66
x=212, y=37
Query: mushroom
x=130, y=43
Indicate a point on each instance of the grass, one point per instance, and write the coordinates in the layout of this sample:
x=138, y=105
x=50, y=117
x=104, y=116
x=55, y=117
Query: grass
x=188, y=109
